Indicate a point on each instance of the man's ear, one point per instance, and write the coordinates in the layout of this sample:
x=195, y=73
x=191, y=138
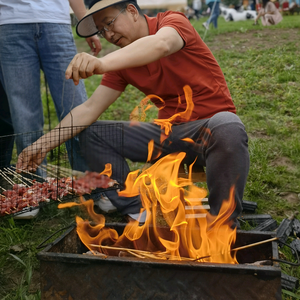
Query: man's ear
x=132, y=10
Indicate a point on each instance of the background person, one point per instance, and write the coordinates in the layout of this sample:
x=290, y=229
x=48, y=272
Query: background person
x=293, y=6
x=153, y=56
x=197, y=5
x=34, y=36
x=269, y=14
x=214, y=6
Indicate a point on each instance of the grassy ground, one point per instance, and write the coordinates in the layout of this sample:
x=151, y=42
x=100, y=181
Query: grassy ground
x=262, y=69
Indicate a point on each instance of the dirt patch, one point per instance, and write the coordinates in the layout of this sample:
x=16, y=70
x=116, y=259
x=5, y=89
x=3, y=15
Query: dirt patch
x=254, y=39
x=259, y=135
x=290, y=197
x=284, y=162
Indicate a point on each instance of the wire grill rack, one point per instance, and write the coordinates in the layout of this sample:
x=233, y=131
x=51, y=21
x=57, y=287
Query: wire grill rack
x=63, y=175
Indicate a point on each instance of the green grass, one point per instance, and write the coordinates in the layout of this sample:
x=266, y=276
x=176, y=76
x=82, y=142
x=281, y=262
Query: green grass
x=263, y=75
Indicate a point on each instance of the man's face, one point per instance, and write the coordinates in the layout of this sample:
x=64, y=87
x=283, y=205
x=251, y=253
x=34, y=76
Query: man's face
x=123, y=31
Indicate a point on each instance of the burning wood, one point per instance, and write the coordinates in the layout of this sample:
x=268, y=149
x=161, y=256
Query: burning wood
x=147, y=254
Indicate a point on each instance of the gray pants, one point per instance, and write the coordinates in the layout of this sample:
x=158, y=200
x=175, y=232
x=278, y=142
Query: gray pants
x=221, y=145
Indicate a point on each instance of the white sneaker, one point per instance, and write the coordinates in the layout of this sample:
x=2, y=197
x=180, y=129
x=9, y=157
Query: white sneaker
x=27, y=214
x=139, y=216
x=105, y=204
x=205, y=25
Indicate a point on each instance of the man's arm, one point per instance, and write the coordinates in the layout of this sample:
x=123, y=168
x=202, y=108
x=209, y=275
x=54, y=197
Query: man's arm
x=139, y=53
x=77, y=120
x=144, y=50
x=79, y=9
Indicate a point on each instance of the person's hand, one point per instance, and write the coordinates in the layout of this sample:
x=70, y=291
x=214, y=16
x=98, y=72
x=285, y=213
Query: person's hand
x=30, y=158
x=83, y=65
x=94, y=43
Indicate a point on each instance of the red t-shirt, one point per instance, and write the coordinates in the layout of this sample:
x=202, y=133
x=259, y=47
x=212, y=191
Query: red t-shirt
x=193, y=65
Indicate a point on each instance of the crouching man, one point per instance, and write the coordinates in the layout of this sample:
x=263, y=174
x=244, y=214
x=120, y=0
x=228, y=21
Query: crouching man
x=158, y=55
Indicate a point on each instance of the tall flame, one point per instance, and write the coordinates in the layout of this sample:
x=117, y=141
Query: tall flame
x=190, y=231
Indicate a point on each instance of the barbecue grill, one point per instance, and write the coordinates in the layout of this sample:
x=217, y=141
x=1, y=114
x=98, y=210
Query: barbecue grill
x=67, y=272
x=56, y=180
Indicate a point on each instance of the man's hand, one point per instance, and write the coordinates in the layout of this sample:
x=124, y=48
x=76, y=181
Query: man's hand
x=83, y=65
x=94, y=43
x=30, y=158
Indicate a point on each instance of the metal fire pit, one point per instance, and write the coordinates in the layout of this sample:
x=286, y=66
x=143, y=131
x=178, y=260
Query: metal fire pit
x=66, y=273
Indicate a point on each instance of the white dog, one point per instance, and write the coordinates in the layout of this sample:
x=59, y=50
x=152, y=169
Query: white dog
x=230, y=14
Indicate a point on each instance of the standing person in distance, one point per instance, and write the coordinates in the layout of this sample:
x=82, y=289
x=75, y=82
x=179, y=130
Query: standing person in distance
x=197, y=5
x=214, y=6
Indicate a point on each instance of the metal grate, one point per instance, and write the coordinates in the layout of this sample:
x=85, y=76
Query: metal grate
x=65, y=173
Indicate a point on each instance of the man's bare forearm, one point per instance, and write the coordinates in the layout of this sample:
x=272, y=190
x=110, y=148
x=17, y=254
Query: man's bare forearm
x=69, y=127
x=144, y=51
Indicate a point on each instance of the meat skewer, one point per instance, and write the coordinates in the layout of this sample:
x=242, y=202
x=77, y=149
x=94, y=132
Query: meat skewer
x=22, y=196
x=20, y=177
x=7, y=178
x=29, y=173
x=44, y=168
x=58, y=169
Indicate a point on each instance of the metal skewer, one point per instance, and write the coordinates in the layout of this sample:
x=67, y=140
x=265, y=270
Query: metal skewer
x=61, y=170
x=20, y=177
x=29, y=173
x=48, y=171
x=6, y=178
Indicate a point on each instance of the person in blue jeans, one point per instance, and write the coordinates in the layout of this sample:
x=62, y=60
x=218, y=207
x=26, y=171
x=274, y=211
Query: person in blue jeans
x=6, y=130
x=36, y=36
x=214, y=13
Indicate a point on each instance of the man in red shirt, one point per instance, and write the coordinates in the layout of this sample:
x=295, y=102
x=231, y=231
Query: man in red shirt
x=159, y=56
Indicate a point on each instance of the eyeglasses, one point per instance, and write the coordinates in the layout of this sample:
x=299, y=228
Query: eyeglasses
x=109, y=26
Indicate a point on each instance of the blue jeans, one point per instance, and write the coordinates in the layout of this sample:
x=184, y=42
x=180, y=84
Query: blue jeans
x=6, y=130
x=215, y=12
x=25, y=50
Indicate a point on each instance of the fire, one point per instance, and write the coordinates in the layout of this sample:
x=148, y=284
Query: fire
x=203, y=238
x=189, y=232
x=139, y=112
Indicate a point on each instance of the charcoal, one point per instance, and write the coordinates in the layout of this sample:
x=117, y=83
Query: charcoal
x=255, y=219
x=284, y=230
x=296, y=227
x=268, y=225
x=289, y=282
x=249, y=206
x=295, y=244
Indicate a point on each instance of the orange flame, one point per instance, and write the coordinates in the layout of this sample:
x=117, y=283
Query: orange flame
x=107, y=171
x=191, y=232
x=166, y=124
x=139, y=112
